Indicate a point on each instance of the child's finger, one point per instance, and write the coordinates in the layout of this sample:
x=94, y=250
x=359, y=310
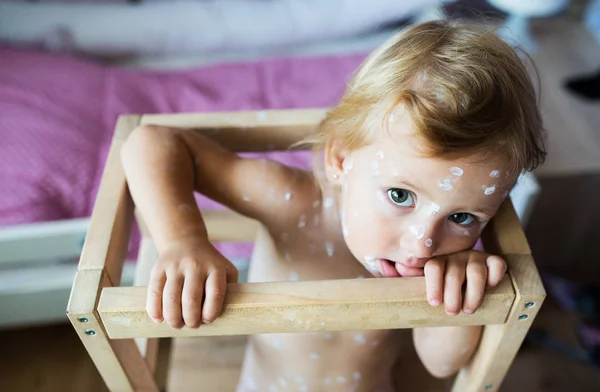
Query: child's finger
x=232, y=273
x=155, y=294
x=496, y=270
x=216, y=285
x=476, y=280
x=191, y=298
x=434, y=281
x=453, y=281
x=172, y=299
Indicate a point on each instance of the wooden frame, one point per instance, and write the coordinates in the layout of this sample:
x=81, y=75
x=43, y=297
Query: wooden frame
x=109, y=318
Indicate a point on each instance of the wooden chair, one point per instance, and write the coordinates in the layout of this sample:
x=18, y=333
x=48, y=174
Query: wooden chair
x=122, y=341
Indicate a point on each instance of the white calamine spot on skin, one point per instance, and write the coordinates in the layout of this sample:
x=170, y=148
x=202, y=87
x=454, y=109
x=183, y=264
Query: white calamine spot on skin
x=445, y=184
x=466, y=233
x=457, y=171
x=348, y=165
x=293, y=276
x=379, y=154
x=356, y=376
x=261, y=116
x=314, y=356
x=328, y=202
x=288, y=196
x=329, y=248
x=185, y=208
x=360, y=338
x=299, y=379
x=495, y=173
x=282, y=381
x=251, y=384
x=428, y=242
x=341, y=379
x=316, y=203
x=302, y=221
x=390, y=117
x=434, y=209
x=246, y=198
x=345, y=231
x=418, y=231
x=488, y=190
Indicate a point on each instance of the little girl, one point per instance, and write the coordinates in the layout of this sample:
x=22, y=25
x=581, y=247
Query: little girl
x=427, y=140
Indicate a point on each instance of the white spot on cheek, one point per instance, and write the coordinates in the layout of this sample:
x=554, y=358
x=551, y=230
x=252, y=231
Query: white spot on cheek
x=293, y=276
x=466, y=233
x=488, y=190
x=418, y=231
x=428, y=242
x=434, y=209
x=457, y=171
x=328, y=202
x=302, y=221
x=445, y=184
x=329, y=248
x=495, y=173
x=288, y=196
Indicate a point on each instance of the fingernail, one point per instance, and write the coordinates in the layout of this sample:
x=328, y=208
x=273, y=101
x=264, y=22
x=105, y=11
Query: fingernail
x=206, y=321
x=468, y=311
x=434, y=302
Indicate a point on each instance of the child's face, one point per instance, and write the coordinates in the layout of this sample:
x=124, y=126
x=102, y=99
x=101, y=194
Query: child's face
x=399, y=209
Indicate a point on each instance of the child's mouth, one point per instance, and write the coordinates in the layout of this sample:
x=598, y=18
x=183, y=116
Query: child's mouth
x=391, y=269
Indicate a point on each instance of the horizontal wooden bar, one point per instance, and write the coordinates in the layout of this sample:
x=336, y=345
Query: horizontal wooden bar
x=330, y=305
x=248, y=131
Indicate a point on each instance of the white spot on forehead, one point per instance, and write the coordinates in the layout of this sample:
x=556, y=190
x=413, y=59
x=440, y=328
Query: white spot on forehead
x=314, y=356
x=428, y=242
x=445, y=184
x=288, y=196
x=391, y=117
x=329, y=248
x=261, y=116
x=489, y=189
x=360, y=338
x=328, y=202
x=457, y=171
x=495, y=173
x=302, y=221
x=434, y=209
x=293, y=276
x=418, y=231
x=379, y=154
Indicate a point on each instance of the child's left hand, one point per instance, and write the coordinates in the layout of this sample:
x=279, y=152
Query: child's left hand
x=445, y=276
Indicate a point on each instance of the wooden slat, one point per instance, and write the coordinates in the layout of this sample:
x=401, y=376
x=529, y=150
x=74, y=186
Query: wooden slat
x=119, y=362
x=146, y=258
x=266, y=130
x=504, y=234
x=500, y=343
x=106, y=242
x=331, y=305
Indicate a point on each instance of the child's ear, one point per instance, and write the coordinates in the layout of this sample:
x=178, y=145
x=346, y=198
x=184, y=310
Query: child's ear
x=335, y=155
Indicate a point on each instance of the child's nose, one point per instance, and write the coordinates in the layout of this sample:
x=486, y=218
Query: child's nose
x=419, y=240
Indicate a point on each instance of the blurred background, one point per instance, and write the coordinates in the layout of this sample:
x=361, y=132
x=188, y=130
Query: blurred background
x=69, y=68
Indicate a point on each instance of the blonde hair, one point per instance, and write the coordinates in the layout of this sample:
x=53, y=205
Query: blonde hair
x=466, y=90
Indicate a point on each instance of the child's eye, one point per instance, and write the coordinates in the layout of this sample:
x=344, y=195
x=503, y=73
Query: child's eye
x=400, y=197
x=462, y=218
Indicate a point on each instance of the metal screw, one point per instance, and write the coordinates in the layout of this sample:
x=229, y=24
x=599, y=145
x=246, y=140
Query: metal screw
x=523, y=317
x=529, y=304
x=488, y=387
x=83, y=319
x=90, y=332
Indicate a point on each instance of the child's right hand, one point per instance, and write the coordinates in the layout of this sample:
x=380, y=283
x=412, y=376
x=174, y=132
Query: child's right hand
x=188, y=284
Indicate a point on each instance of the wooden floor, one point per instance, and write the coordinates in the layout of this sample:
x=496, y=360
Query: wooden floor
x=52, y=359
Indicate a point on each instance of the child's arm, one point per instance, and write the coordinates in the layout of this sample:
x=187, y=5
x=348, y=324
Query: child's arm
x=444, y=350
x=164, y=166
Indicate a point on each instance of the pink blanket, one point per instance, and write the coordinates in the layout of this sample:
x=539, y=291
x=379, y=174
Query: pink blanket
x=57, y=114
